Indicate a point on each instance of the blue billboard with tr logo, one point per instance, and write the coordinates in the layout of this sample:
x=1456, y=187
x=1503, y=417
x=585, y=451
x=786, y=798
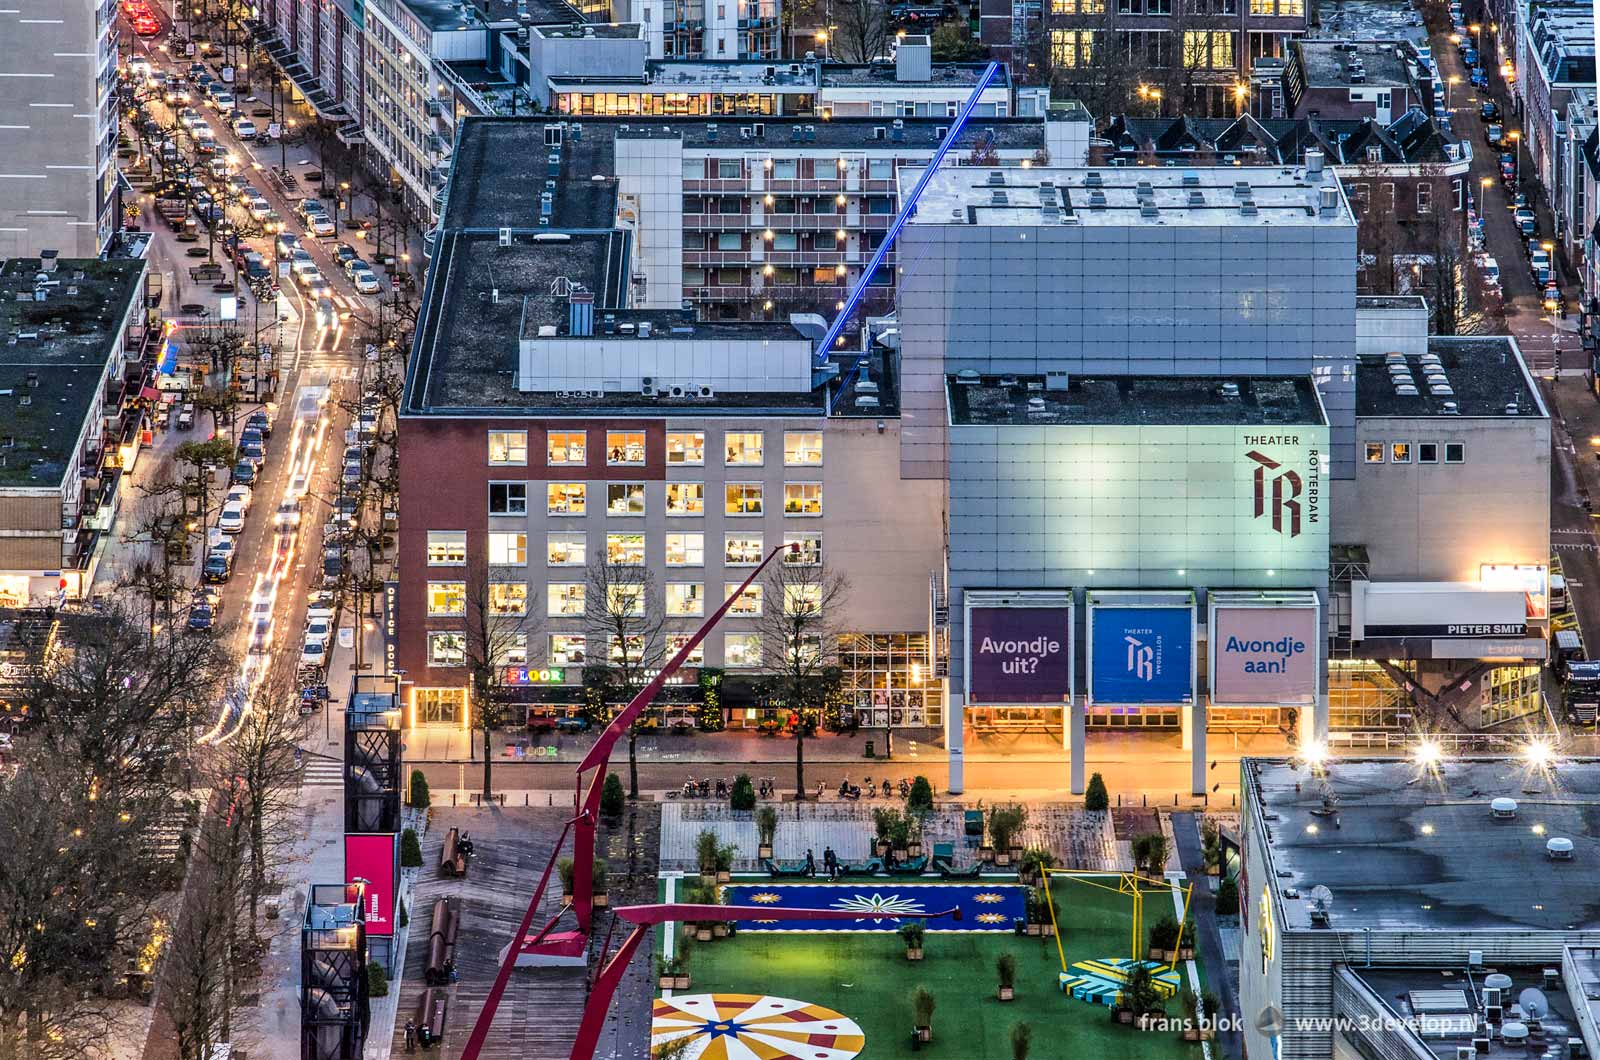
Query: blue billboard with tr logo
x=1141, y=655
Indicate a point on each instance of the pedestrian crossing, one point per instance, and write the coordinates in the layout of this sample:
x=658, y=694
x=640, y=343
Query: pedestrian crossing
x=322, y=772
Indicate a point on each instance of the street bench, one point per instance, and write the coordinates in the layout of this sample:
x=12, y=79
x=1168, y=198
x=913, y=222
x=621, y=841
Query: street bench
x=452, y=860
x=431, y=1009
x=206, y=273
x=442, y=942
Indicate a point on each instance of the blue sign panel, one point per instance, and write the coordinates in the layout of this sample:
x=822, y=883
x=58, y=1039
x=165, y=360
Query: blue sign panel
x=1142, y=655
x=886, y=904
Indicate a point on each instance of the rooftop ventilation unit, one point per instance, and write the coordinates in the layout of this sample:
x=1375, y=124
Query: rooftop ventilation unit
x=1558, y=848
x=1241, y=190
x=1055, y=380
x=999, y=198
x=1230, y=390
x=505, y=237
x=1097, y=200
x=1197, y=198
x=1442, y=390
x=1248, y=209
x=711, y=133
x=1093, y=179
x=811, y=134
x=968, y=377
x=1329, y=199
x=707, y=392
x=1052, y=215
x=866, y=401
x=1036, y=404
x=1450, y=408
x=1191, y=179
x=866, y=386
x=1406, y=390
x=1503, y=808
x=997, y=176
x=1512, y=409
x=1149, y=209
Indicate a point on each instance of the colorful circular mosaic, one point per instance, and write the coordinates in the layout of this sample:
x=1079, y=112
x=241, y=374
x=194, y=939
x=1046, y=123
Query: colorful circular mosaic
x=753, y=1027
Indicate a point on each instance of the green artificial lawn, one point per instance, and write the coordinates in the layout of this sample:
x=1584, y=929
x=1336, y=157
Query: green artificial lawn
x=865, y=976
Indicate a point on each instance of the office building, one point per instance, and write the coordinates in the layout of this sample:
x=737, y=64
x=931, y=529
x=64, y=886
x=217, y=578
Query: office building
x=1464, y=927
x=76, y=357
x=58, y=129
x=705, y=29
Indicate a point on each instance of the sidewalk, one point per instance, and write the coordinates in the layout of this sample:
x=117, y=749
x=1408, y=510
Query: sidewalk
x=445, y=746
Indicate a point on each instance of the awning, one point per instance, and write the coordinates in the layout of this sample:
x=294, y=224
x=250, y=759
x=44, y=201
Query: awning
x=169, y=359
x=150, y=393
x=315, y=94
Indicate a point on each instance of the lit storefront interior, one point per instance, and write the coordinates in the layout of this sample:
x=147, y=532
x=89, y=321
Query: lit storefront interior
x=888, y=681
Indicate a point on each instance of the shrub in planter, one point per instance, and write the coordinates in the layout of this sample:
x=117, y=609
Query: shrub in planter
x=565, y=871
x=1021, y=1041
x=911, y=934
x=602, y=872
x=1033, y=863
x=1094, y=796
x=724, y=862
x=1140, y=996
x=1228, y=898
x=1211, y=846
x=612, y=798
x=420, y=799
x=1005, y=967
x=1211, y=1013
x=883, y=825
x=922, y=1013
x=1163, y=938
x=766, y=829
x=1186, y=940
x=705, y=855
x=743, y=796
x=900, y=830
x=377, y=980
x=1191, y=1014
x=410, y=850
x=1005, y=829
x=920, y=798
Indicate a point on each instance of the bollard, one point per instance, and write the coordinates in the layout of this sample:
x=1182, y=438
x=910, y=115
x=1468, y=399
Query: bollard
x=1233, y=800
x=552, y=797
x=452, y=798
x=1174, y=799
x=525, y=797
x=1144, y=800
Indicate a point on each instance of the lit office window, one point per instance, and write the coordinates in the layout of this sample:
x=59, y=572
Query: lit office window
x=508, y=447
x=447, y=548
x=565, y=498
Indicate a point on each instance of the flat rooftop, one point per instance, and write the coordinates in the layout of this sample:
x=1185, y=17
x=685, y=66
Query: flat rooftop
x=872, y=133
x=704, y=75
x=1367, y=20
x=885, y=75
x=1125, y=197
x=54, y=353
x=501, y=167
x=441, y=16
x=1027, y=401
x=1326, y=64
x=542, y=12
x=604, y=30
x=1482, y=377
x=1403, y=851
x=1441, y=1006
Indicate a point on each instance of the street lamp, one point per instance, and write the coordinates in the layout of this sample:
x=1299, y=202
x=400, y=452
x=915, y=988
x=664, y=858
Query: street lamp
x=1516, y=157
x=1240, y=91
x=1477, y=36
x=1453, y=79
x=344, y=191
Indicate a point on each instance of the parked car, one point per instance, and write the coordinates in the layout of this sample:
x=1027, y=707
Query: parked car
x=259, y=421
x=200, y=618
x=1527, y=224
x=244, y=473
x=244, y=129
x=344, y=254
x=238, y=495
x=321, y=606
x=315, y=650
x=1489, y=111
x=231, y=521
x=365, y=282
x=1493, y=134
x=321, y=226
x=218, y=567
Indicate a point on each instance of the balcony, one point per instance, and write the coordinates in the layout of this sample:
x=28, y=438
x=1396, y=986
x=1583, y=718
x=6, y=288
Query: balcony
x=802, y=222
x=877, y=222
x=719, y=293
x=714, y=259
x=720, y=222
x=811, y=258
x=715, y=186
x=813, y=185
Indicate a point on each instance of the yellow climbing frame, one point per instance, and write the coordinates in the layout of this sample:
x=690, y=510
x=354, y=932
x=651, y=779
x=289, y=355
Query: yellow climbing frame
x=1135, y=887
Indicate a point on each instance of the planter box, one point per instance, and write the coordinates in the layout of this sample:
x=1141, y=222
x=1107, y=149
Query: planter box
x=601, y=901
x=1168, y=956
x=1190, y=1034
x=1124, y=1015
x=1033, y=929
x=986, y=854
x=914, y=954
x=1155, y=954
x=681, y=982
x=724, y=877
x=914, y=849
x=900, y=854
x=667, y=982
x=880, y=847
x=923, y=1034
x=719, y=930
x=763, y=851
x=1047, y=930
x=708, y=878
x=702, y=934
x=1185, y=953
x=1016, y=853
x=1005, y=993
x=1002, y=858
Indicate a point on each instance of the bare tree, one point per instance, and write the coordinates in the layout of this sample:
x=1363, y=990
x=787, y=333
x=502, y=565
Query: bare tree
x=799, y=628
x=195, y=993
x=498, y=620
x=623, y=621
x=161, y=527
x=861, y=30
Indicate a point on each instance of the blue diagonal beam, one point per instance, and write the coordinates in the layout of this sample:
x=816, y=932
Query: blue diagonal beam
x=907, y=206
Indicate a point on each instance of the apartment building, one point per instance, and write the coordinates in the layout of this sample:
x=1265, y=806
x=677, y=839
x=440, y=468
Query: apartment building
x=319, y=47
x=555, y=423
x=706, y=29
x=1196, y=53
x=58, y=129
x=71, y=411
x=1381, y=80
x=1555, y=57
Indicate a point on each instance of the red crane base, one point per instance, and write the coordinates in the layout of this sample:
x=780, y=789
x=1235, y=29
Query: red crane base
x=559, y=949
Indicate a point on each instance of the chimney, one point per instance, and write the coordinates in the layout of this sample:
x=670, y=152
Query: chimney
x=47, y=260
x=581, y=314
x=913, y=60
x=1313, y=163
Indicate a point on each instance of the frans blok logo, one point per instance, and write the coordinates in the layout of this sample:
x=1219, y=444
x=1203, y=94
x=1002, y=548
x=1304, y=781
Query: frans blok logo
x=1277, y=490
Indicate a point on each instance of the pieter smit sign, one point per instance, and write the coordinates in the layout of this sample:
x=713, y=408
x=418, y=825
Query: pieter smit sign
x=1019, y=654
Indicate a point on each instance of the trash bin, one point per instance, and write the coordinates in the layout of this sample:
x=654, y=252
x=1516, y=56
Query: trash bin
x=868, y=751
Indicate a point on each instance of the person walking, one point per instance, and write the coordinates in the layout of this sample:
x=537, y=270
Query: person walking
x=829, y=862
x=411, y=1036
x=811, y=863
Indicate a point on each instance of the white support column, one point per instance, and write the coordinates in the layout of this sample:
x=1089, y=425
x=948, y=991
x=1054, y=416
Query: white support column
x=955, y=712
x=1078, y=726
x=1197, y=743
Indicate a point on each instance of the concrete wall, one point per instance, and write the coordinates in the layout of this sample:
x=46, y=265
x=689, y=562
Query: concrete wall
x=1382, y=328
x=1146, y=299
x=564, y=55
x=650, y=185
x=1438, y=522
x=57, y=135
x=620, y=365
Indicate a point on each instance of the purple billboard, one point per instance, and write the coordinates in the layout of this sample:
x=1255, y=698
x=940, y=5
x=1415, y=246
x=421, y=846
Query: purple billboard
x=1019, y=655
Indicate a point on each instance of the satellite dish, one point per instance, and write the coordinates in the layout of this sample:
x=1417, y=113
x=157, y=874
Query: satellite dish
x=1534, y=1004
x=1321, y=896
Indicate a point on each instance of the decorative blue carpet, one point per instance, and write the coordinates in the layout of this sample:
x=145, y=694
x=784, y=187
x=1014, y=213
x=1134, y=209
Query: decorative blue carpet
x=987, y=907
